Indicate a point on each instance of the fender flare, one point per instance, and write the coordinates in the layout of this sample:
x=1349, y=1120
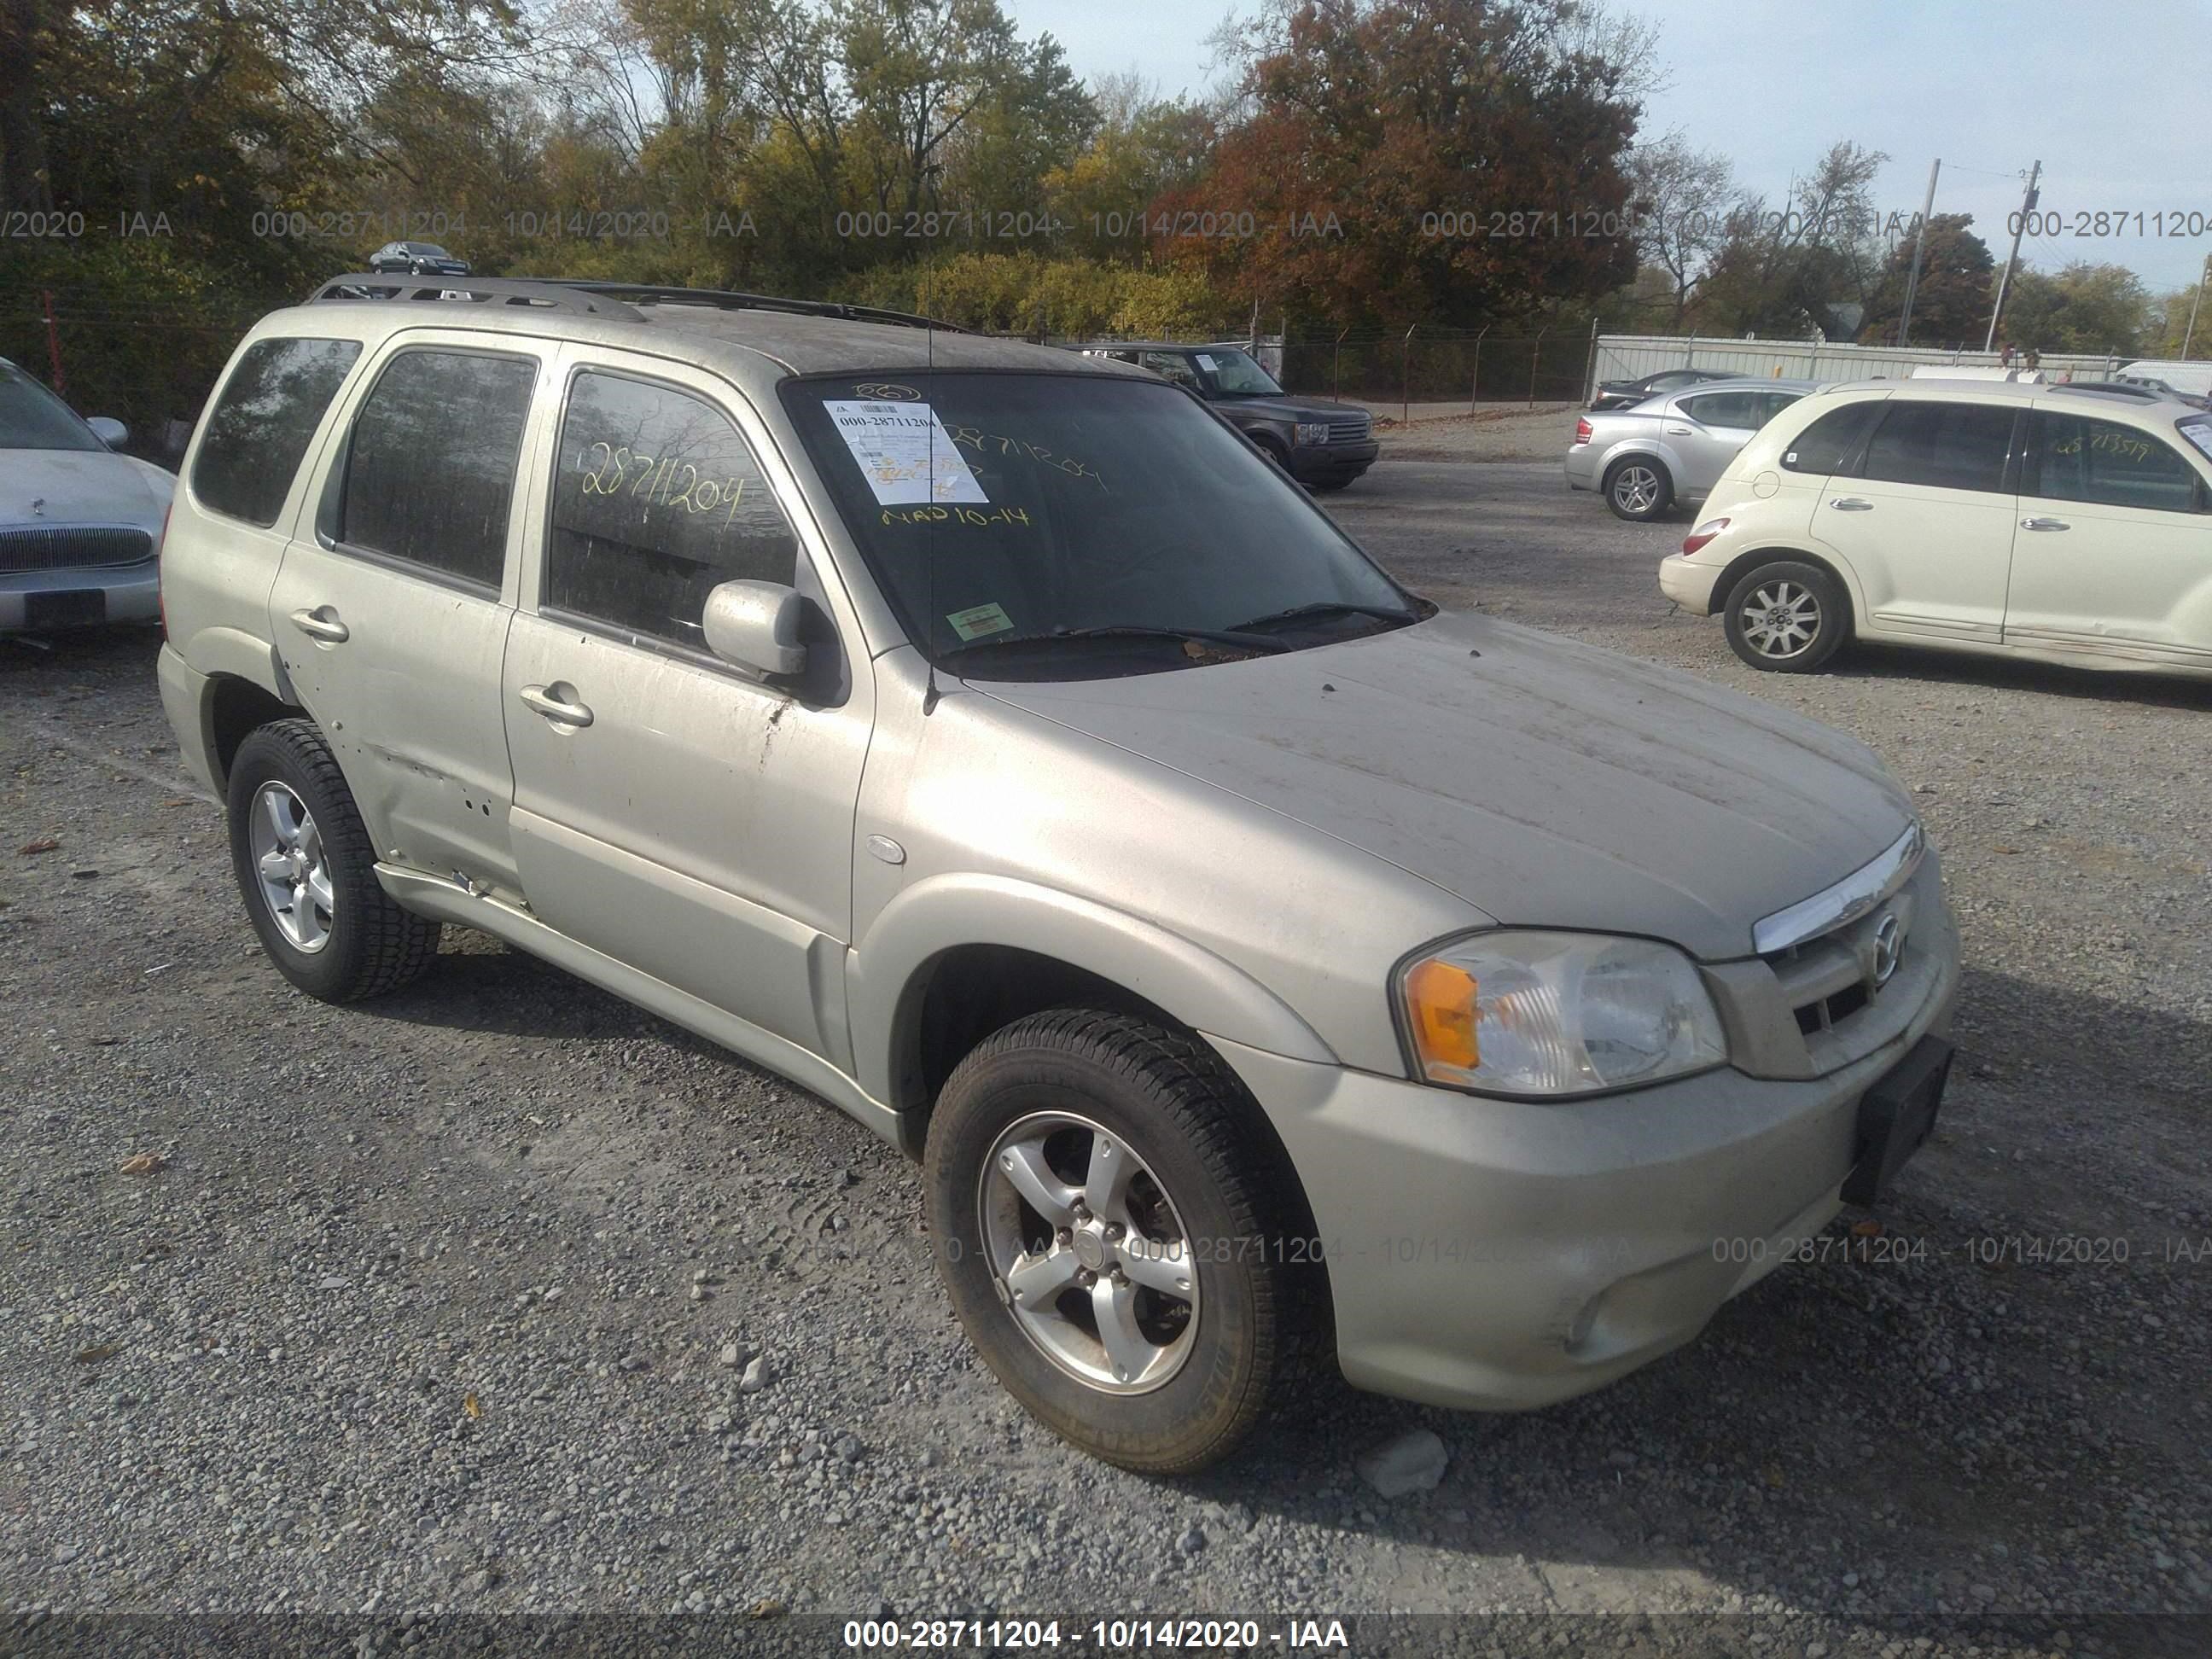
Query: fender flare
x=886, y=971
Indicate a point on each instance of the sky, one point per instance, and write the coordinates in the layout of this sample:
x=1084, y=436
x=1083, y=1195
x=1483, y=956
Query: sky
x=2113, y=98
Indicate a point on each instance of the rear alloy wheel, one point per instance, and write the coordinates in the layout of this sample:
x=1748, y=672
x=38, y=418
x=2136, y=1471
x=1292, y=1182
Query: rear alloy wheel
x=1105, y=1225
x=307, y=871
x=1638, y=491
x=1787, y=617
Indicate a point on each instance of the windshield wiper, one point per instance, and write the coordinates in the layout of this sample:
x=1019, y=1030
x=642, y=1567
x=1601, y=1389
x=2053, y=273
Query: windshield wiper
x=1130, y=630
x=1333, y=608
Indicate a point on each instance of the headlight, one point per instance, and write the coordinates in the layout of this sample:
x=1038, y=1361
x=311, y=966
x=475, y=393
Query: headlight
x=1534, y=1013
x=1309, y=432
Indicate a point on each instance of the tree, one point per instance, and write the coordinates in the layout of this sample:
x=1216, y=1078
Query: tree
x=1951, y=305
x=2085, y=307
x=1680, y=198
x=1373, y=141
x=1808, y=263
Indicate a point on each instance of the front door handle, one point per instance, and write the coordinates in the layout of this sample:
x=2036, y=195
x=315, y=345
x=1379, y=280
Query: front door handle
x=541, y=698
x=1682, y=432
x=322, y=624
x=1851, y=504
x=2045, y=523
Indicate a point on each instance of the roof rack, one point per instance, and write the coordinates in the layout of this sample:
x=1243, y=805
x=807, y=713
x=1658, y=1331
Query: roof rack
x=526, y=292
x=723, y=299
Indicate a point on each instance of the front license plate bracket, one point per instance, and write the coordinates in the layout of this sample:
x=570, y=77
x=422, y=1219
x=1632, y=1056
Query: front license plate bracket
x=1896, y=1117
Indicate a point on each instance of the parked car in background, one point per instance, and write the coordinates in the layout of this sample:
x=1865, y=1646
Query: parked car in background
x=1322, y=444
x=79, y=524
x=1673, y=448
x=1255, y=956
x=2063, y=523
x=2148, y=386
x=1620, y=394
x=417, y=259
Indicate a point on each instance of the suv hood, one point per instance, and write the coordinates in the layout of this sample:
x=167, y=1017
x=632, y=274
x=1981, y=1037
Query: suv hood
x=1289, y=409
x=1546, y=783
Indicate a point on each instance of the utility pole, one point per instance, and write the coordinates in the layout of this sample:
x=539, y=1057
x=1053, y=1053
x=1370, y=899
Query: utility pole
x=2026, y=207
x=2189, y=333
x=1919, y=247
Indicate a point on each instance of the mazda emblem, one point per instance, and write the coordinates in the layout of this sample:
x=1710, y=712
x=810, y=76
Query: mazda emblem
x=1888, y=946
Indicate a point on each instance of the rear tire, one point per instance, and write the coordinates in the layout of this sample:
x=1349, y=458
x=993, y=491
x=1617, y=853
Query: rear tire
x=1787, y=617
x=1638, y=490
x=1179, y=1376
x=307, y=870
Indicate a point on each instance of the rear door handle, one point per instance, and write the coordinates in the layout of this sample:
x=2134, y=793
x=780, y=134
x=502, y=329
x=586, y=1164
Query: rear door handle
x=316, y=624
x=2045, y=523
x=1851, y=504
x=542, y=699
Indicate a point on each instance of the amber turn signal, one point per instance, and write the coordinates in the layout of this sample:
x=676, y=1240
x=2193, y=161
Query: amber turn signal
x=1440, y=1006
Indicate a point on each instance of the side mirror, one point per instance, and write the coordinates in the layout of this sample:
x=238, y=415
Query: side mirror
x=755, y=626
x=109, y=430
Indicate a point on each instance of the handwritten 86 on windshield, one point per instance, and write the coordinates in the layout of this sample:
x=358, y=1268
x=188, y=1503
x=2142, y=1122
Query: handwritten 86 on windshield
x=1105, y=1635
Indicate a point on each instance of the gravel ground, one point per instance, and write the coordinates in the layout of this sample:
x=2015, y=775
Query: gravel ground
x=501, y=1296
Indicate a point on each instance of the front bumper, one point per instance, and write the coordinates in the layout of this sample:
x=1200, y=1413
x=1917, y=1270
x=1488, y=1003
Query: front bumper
x=1498, y=1256
x=1332, y=463
x=1690, y=585
x=129, y=594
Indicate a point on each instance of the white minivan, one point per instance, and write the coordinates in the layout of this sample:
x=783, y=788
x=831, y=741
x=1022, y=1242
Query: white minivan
x=2062, y=523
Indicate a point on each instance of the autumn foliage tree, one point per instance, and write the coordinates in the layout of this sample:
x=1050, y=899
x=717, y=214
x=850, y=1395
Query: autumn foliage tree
x=1376, y=139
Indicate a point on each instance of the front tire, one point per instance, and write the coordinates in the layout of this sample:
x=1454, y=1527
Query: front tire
x=1787, y=617
x=1106, y=1233
x=1638, y=490
x=307, y=870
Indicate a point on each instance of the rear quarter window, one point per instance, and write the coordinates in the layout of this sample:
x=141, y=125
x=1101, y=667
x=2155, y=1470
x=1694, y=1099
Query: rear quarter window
x=261, y=425
x=1830, y=443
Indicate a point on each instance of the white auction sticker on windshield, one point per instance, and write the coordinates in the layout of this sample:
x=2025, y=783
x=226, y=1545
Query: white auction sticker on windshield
x=2200, y=434
x=1207, y=362
x=905, y=453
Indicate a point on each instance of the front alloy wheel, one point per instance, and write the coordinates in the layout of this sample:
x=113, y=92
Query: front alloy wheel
x=1094, y=1259
x=1118, y=1237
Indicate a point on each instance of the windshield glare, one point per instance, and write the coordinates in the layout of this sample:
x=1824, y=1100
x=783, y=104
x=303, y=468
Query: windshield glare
x=1234, y=374
x=32, y=417
x=1000, y=508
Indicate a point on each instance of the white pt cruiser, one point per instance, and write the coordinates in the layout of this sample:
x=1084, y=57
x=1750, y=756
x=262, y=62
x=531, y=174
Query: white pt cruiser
x=989, y=739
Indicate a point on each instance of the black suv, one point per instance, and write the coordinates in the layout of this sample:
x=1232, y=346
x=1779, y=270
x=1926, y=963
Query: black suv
x=1323, y=445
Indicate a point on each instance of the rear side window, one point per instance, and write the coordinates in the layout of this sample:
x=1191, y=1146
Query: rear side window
x=1829, y=443
x=431, y=466
x=656, y=500
x=2071, y=459
x=1943, y=446
x=261, y=425
x=1735, y=409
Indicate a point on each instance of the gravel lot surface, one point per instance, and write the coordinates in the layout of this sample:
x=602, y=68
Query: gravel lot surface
x=500, y=1294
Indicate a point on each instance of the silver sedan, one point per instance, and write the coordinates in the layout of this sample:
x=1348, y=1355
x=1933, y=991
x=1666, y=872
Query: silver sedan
x=1673, y=448
x=79, y=524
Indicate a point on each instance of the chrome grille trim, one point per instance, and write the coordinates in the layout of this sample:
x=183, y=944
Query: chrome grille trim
x=1847, y=901
x=72, y=547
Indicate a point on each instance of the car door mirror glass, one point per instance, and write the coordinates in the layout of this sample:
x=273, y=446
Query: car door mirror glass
x=109, y=430
x=755, y=626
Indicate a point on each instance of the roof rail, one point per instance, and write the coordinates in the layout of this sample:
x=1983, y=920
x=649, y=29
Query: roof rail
x=2111, y=389
x=529, y=292
x=653, y=293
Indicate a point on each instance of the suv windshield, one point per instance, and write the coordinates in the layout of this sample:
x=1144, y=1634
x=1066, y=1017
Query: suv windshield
x=1069, y=526
x=32, y=417
x=1233, y=374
